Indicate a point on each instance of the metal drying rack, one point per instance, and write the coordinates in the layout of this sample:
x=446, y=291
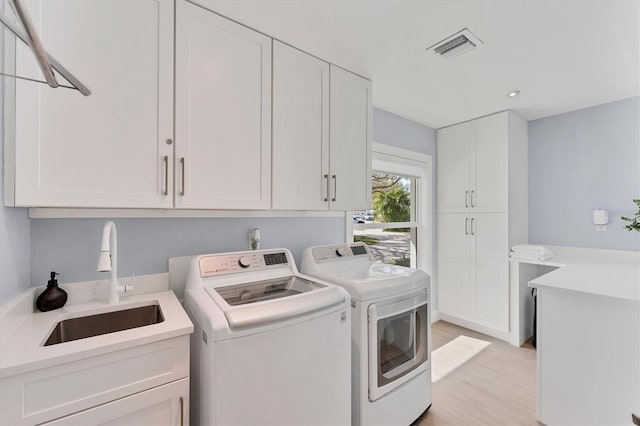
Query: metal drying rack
x=46, y=62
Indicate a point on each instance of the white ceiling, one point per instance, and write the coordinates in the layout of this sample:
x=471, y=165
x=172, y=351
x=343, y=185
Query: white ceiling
x=562, y=55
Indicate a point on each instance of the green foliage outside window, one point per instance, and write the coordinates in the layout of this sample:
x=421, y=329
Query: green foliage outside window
x=393, y=205
x=635, y=221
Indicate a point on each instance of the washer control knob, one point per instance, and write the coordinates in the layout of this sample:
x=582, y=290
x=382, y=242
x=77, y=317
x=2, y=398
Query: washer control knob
x=244, y=262
x=341, y=251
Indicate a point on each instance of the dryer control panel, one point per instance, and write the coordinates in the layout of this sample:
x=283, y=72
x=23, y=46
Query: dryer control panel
x=338, y=252
x=230, y=263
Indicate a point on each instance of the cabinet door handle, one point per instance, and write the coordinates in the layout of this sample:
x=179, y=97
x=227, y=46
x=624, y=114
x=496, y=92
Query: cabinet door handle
x=182, y=176
x=466, y=226
x=472, y=192
x=466, y=199
x=335, y=188
x=181, y=411
x=326, y=188
x=165, y=161
x=473, y=232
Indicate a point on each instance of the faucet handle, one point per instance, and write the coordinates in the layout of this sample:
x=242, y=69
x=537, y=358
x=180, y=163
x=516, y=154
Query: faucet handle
x=126, y=290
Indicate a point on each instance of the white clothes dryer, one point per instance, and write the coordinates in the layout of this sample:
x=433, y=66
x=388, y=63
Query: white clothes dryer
x=270, y=346
x=391, y=332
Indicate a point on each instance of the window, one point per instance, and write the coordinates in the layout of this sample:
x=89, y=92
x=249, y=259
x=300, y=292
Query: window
x=397, y=226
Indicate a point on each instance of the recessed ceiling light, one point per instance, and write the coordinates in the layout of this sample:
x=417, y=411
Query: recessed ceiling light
x=513, y=94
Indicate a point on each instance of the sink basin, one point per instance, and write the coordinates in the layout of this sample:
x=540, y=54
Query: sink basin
x=108, y=322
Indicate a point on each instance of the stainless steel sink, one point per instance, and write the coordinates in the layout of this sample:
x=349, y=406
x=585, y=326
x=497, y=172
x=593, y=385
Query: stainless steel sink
x=108, y=322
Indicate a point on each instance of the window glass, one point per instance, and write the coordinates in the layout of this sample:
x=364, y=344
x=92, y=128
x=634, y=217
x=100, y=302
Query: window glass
x=393, y=202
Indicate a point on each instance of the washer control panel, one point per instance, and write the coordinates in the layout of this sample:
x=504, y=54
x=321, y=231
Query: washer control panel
x=338, y=252
x=241, y=262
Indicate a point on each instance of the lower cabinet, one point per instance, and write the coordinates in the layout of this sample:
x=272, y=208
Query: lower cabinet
x=473, y=269
x=164, y=405
x=588, y=358
x=141, y=385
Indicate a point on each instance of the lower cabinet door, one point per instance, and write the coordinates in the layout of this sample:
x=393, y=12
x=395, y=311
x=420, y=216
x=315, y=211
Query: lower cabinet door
x=490, y=245
x=164, y=405
x=454, y=265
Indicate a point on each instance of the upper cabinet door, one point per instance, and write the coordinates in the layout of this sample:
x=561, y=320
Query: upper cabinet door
x=350, y=141
x=454, y=165
x=109, y=149
x=300, y=130
x=223, y=113
x=491, y=175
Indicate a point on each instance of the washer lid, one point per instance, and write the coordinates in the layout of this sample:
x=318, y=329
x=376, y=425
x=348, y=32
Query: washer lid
x=373, y=280
x=259, y=291
x=266, y=301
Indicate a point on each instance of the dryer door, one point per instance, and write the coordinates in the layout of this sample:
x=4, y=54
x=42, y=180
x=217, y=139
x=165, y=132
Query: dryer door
x=398, y=342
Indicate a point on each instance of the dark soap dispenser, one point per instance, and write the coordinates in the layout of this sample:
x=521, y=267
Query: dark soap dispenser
x=53, y=297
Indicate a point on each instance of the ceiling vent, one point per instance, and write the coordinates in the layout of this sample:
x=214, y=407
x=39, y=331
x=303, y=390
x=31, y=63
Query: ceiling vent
x=455, y=45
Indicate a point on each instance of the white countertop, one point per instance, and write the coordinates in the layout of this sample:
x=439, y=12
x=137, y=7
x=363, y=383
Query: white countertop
x=23, y=330
x=611, y=273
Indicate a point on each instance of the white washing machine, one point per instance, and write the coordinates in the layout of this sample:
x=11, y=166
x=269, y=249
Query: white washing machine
x=270, y=346
x=391, y=332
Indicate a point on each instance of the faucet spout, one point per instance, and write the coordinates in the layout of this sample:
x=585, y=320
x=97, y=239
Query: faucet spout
x=108, y=260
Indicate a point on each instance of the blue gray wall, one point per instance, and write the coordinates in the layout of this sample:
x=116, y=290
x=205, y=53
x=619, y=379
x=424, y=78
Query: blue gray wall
x=71, y=246
x=14, y=236
x=394, y=130
x=578, y=161
x=14, y=252
x=581, y=161
x=390, y=129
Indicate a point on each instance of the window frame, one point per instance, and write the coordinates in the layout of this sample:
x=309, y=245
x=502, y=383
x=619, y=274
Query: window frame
x=403, y=162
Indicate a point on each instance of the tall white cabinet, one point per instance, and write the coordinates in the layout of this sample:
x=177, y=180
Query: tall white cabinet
x=482, y=206
x=111, y=149
x=321, y=134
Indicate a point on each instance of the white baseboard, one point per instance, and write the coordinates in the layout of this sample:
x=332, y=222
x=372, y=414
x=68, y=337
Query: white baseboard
x=435, y=316
x=502, y=335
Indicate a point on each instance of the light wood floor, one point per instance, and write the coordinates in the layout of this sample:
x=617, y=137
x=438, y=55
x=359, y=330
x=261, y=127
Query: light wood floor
x=495, y=387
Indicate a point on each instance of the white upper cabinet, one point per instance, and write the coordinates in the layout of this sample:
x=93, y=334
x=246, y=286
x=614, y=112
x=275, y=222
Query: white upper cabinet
x=223, y=113
x=491, y=175
x=300, y=130
x=321, y=134
x=180, y=115
x=109, y=149
x=350, y=136
x=454, y=161
x=473, y=165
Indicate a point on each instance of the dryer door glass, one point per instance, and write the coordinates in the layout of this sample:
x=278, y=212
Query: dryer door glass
x=398, y=342
x=401, y=344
